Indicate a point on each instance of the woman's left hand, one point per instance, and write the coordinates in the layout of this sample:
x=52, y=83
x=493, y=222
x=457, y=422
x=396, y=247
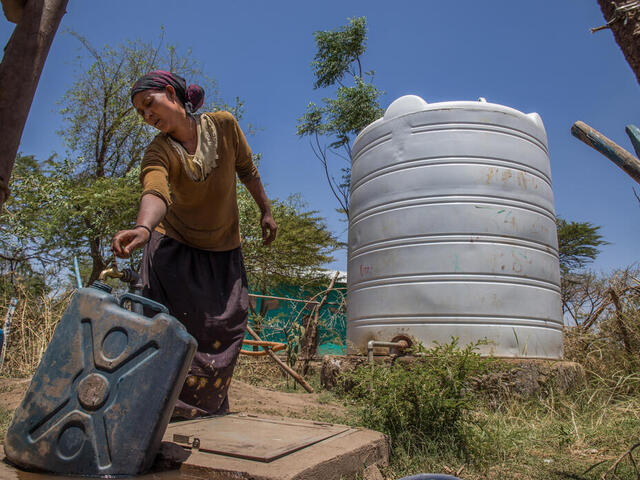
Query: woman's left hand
x=269, y=228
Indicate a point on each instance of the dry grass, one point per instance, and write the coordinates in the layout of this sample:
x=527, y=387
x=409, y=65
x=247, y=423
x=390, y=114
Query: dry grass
x=32, y=327
x=263, y=372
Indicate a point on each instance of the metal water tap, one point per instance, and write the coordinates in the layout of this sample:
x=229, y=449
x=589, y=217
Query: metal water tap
x=111, y=272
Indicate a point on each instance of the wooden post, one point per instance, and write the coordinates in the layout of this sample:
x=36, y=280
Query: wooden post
x=618, y=155
x=20, y=70
x=281, y=364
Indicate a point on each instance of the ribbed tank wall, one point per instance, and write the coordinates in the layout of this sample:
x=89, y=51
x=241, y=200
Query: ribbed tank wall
x=452, y=230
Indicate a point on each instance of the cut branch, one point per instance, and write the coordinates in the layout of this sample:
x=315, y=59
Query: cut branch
x=618, y=155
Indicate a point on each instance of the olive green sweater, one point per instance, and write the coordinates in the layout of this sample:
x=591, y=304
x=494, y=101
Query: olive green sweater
x=202, y=214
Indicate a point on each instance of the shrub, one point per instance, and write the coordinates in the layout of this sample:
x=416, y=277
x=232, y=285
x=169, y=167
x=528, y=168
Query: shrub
x=422, y=405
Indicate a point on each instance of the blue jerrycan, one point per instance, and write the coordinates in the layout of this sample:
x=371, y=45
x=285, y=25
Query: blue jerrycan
x=104, y=391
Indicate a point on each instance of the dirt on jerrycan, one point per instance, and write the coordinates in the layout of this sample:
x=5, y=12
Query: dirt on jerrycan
x=104, y=391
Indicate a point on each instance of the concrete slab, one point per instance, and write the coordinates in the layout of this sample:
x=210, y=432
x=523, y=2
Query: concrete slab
x=260, y=448
x=249, y=447
x=269, y=438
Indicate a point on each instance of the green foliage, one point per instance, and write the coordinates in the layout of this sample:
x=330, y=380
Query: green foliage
x=337, y=51
x=424, y=405
x=577, y=244
x=293, y=334
x=53, y=213
x=21, y=253
x=303, y=244
x=102, y=129
x=353, y=107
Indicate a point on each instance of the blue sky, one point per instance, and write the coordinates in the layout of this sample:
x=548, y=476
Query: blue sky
x=532, y=56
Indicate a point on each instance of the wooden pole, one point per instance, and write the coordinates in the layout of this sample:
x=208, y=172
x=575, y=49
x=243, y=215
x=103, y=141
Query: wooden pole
x=618, y=155
x=20, y=70
x=281, y=364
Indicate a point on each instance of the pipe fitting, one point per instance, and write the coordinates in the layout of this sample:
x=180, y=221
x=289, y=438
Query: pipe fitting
x=400, y=345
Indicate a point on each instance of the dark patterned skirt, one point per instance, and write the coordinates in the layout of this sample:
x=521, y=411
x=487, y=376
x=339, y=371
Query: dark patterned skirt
x=206, y=291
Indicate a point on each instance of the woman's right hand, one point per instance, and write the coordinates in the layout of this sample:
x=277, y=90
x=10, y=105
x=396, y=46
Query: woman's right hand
x=126, y=241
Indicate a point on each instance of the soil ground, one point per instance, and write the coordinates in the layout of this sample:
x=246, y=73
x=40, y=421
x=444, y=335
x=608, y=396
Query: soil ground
x=243, y=397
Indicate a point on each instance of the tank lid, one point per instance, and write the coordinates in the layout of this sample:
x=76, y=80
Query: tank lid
x=404, y=105
x=410, y=104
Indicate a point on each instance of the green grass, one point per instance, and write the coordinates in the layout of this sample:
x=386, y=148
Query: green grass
x=558, y=437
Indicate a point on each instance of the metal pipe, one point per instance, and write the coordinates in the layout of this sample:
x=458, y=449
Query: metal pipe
x=7, y=328
x=135, y=286
x=77, y=269
x=129, y=276
x=400, y=345
x=111, y=272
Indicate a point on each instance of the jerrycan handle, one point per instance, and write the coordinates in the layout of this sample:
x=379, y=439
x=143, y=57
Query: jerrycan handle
x=158, y=307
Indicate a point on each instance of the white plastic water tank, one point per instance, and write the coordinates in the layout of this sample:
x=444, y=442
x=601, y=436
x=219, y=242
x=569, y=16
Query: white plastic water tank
x=452, y=230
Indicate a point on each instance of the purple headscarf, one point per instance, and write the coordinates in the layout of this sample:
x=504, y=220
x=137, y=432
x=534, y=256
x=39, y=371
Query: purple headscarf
x=192, y=97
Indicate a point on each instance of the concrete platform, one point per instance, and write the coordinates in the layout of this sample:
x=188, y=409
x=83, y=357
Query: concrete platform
x=515, y=378
x=260, y=448
x=249, y=447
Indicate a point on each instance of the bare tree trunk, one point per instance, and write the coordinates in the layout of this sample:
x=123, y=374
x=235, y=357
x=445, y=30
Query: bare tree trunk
x=625, y=26
x=98, y=261
x=20, y=70
x=310, y=338
x=624, y=333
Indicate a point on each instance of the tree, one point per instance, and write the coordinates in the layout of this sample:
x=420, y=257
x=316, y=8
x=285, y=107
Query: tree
x=52, y=214
x=581, y=291
x=578, y=244
x=23, y=260
x=354, y=106
x=303, y=245
x=623, y=18
x=20, y=70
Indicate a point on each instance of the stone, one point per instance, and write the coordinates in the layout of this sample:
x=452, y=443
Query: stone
x=372, y=472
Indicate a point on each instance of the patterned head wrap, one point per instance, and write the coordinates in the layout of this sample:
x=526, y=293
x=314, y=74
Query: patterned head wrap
x=192, y=97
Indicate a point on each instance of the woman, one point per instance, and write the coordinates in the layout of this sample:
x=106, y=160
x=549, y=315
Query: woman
x=188, y=224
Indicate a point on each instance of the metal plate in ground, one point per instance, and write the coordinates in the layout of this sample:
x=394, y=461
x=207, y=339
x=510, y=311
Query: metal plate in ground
x=251, y=438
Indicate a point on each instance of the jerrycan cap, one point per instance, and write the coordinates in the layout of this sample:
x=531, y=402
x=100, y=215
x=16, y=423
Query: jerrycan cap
x=101, y=286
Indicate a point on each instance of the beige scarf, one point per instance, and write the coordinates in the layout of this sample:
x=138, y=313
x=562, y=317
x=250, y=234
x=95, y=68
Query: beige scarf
x=199, y=165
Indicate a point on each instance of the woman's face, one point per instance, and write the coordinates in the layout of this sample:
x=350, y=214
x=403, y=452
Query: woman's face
x=159, y=108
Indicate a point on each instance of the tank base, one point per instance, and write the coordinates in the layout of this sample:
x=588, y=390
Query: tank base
x=519, y=377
